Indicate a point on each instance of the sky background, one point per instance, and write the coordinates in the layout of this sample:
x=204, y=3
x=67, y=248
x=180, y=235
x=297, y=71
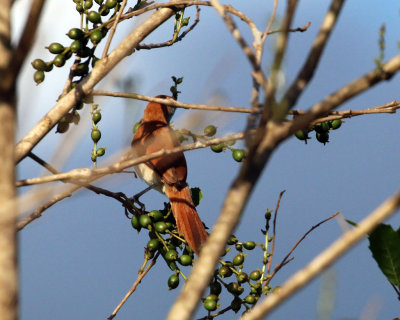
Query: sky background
x=81, y=257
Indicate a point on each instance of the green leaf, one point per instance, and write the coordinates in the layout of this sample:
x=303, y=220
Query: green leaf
x=384, y=243
x=351, y=222
x=197, y=195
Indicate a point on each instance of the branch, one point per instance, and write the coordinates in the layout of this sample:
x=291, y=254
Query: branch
x=310, y=65
x=325, y=259
x=171, y=42
x=84, y=175
x=170, y=102
x=102, y=68
x=134, y=286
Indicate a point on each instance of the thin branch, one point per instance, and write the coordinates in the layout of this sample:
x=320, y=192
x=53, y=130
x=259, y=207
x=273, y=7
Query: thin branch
x=113, y=29
x=171, y=42
x=84, y=175
x=102, y=68
x=310, y=65
x=258, y=75
x=170, y=102
x=141, y=275
x=274, y=232
x=287, y=257
x=325, y=259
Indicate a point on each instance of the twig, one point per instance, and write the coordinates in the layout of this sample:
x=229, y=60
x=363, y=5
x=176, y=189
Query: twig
x=274, y=233
x=286, y=258
x=114, y=27
x=325, y=259
x=37, y=213
x=310, y=65
x=134, y=286
x=84, y=175
x=171, y=42
x=170, y=102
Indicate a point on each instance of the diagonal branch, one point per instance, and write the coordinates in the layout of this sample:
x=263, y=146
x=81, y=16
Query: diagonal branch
x=307, y=71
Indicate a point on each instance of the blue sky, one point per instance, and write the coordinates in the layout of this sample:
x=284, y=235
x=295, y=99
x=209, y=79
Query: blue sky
x=81, y=257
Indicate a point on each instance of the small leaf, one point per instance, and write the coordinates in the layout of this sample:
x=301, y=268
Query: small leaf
x=384, y=245
x=351, y=222
x=197, y=195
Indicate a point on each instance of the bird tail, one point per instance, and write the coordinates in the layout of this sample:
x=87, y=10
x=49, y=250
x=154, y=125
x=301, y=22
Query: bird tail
x=186, y=217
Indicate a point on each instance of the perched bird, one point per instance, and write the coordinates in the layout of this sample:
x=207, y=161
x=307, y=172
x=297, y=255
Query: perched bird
x=168, y=173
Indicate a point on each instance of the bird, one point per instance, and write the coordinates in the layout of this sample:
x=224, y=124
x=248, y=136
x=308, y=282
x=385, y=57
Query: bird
x=168, y=173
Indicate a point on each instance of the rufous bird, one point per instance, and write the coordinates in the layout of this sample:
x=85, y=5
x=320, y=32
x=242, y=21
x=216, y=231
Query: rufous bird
x=168, y=173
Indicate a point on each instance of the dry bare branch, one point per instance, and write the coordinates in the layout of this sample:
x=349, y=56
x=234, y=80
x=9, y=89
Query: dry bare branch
x=326, y=258
x=307, y=71
x=170, y=102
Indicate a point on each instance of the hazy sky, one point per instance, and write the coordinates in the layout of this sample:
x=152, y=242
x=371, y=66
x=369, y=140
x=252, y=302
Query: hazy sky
x=80, y=258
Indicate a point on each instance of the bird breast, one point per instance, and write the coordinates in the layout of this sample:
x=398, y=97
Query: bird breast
x=150, y=176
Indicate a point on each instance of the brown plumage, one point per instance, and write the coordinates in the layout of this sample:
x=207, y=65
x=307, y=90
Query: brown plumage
x=168, y=172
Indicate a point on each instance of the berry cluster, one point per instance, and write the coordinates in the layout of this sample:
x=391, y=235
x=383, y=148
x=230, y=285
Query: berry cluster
x=96, y=134
x=84, y=39
x=321, y=129
x=237, y=154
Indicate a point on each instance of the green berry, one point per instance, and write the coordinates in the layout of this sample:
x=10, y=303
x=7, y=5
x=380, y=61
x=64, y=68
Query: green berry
x=135, y=223
x=49, y=66
x=111, y=4
x=56, y=48
x=185, y=260
x=39, y=65
x=96, y=135
x=84, y=52
x=217, y=148
x=161, y=227
x=81, y=69
x=79, y=8
x=62, y=127
x=153, y=244
x=322, y=127
x=255, y=275
x=156, y=215
x=238, y=260
x=302, y=135
x=88, y=4
x=94, y=17
x=210, y=131
x=249, y=245
x=59, y=60
x=173, y=281
x=335, y=124
x=212, y=297
x=210, y=305
x=144, y=221
x=38, y=77
x=250, y=299
x=96, y=117
x=242, y=277
x=100, y=152
x=238, y=155
x=171, y=255
x=232, y=240
x=105, y=12
x=225, y=272
x=235, y=288
x=76, y=45
x=322, y=137
x=96, y=36
x=75, y=33
x=215, y=288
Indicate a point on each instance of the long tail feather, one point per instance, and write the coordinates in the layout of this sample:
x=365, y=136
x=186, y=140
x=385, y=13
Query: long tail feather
x=187, y=219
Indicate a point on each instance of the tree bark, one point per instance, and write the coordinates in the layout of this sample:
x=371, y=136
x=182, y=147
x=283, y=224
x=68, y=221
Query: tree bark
x=8, y=210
